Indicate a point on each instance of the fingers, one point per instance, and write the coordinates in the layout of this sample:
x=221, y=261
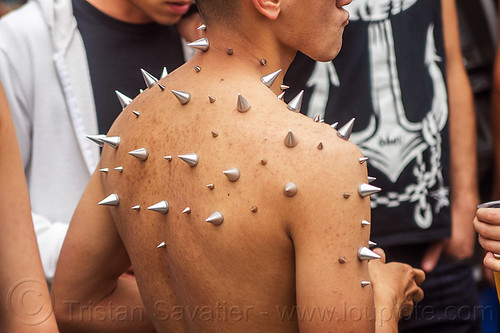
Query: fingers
x=489, y=215
x=491, y=262
x=419, y=276
x=381, y=253
x=488, y=231
x=489, y=245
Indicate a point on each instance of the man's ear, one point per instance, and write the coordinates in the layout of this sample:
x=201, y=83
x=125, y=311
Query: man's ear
x=269, y=8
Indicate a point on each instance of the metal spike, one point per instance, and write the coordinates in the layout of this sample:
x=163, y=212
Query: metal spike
x=367, y=189
x=136, y=207
x=183, y=96
x=200, y=44
x=345, y=131
x=296, y=103
x=96, y=138
x=168, y=158
x=104, y=170
x=149, y=79
x=215, y=218
x=254, y=209
x=141, y=91
x=111, y=200
x=370, y=243
x=363, y=160
x=191, y=159
x=211, y=186
x=342, y=260
x=162, y=87
x=162, y=245
x=317, y=118
x=365, y=223
x=284, y=87
x=243, y=104
x=263, y=62
x=211, y=99
x=334, y=125
x=347, y=195
x=186, y=210
x=232, y=174
x=290, y=189
x=197, y=68
x=119, y=169
x=281, y=96
x=263, y=161
x=269, y=79
x=371, y=179
x=113, y=141
x=136, y=113
x=365, y=283
x=230, y=51
x=291, y=139
x=160, y=207
x=141, y=154
x=124, y=100
x=215, y=134
x=365, y=253
x=202, y=27
x=320, y=146
x=164, y=73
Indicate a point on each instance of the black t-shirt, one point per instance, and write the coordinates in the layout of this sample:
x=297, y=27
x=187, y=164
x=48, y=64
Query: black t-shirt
x=390, y=76
x=116, y=51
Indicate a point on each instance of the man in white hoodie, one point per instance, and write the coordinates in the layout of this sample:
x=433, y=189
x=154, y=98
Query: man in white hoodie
x=60, y=63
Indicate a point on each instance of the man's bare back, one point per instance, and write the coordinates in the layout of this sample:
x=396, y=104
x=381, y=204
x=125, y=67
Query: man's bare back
x=281, y=251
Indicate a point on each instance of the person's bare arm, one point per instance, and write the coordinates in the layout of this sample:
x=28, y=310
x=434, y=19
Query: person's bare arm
x=495, y=121
x=462, y=129
x=89, y=287
x=25, y=297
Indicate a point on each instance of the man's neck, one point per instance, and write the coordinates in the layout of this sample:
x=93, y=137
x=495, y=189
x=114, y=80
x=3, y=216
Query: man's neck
x=122, y=10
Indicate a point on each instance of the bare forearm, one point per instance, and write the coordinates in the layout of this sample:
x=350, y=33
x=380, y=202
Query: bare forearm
x=495, y=127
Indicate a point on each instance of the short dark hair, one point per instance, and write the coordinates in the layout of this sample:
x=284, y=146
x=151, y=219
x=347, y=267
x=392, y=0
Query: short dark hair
x=221, y=11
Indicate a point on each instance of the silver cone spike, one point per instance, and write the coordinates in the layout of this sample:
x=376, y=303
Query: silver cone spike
x=124, y=100
x=363, y=160
x=317, y=118
x=370, y=243
x=215, y=134
x=243, y=104
x=162, y=245
x=290, y=189
x=186, y=210
x=136, y=113
x=202, y=27
x=168, y=158
x=334, y=125
x=164, y=73
x=345, y=131
x=149, y=79
x=365, y=283
x=162, y=87
x=191, y=159
x=367, y=189
x=112, y=141
x=254, y=209
x=119, y=169
x=365, y=253
x=291, y=139
x=160, y=207
x=320, y=146
x=141, y=91
x=183, y=96
x=281, y=96
x=296, y=103
x=141, y=154
x=104, y=170
x=200, y=44
x=215, y=218
x=269, y=79
x=347, y=195
x=365, y=223
x=371, y=179
x=96, y=138
x=232, y=174
x=111, y=200
x=136, y=208
x=211, y=186
x=229, y=51
x=284, y=87
x=212, y=99
x=197, y=68
x=263, y=62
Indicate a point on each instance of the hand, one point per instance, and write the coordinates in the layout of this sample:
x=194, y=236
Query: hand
x=487, y=224
x=395, y=285
x=461, y=243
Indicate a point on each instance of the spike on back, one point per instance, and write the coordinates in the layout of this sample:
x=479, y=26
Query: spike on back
x=149, y=79
x=295, y=104
x=290, y=189
x=215, y=218
x=200, y=44
x=111, y=200
x=291, y=140
x=243, y=104
x=112, y=141
x=124, y=100
x=141, y=154
x=345, y=131
x=160, y=207
x=96, y=138
x=269, y=79
x=232, y=174
x=367, y=189
x=191, y=159
x=183, y=96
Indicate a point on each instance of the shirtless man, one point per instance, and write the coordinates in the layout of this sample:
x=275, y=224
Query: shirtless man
x=237, y=214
